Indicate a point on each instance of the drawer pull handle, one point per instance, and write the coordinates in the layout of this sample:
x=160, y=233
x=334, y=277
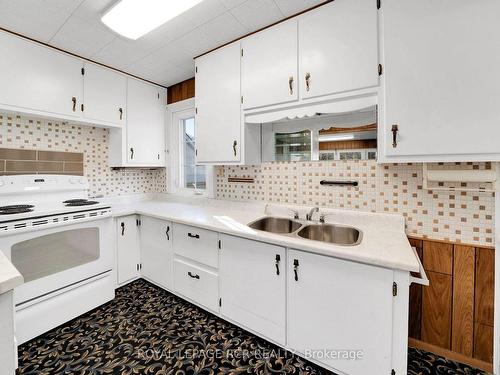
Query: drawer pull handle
x=167, y=232
x=308, y=81
x=290, y=84
x=123, y=228
x=278, y=259
x=193, y=275
x=120, y=110
x=296, y=269
x=193, y=235
x=131, y=152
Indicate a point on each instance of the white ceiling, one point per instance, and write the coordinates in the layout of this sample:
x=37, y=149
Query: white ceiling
x=165, y=55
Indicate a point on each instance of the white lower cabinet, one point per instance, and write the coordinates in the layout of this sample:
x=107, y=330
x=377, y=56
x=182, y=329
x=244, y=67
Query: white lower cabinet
x=253, y=286
x=336, y=306
x=197, y=283
x=156, y=251
x=127, y=249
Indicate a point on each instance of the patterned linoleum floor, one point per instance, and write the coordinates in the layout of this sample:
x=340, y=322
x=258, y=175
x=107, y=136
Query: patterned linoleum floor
x=146, y=330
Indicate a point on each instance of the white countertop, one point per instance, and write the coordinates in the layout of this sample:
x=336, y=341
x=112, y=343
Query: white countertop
x=9, y=275
x=384, y=241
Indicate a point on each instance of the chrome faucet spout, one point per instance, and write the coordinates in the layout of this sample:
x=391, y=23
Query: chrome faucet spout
x=311, y=212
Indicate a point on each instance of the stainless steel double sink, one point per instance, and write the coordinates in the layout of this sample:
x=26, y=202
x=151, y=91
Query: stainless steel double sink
x=331, y=233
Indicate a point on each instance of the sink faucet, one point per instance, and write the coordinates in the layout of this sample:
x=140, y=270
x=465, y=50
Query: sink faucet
x=311, y=212
x=295, y=213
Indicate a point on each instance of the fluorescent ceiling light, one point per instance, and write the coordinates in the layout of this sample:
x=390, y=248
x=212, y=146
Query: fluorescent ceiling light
x=135, y=18
x=333, y=138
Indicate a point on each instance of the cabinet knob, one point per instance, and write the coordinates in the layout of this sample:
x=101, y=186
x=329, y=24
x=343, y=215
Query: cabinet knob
x=234, y=147
x=73, y=99
x=308, y=81
x=394, y=130
x=290, y=84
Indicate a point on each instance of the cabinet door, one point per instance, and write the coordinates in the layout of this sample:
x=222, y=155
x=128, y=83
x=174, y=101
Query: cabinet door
x=441, y=78
x=156, y=250
x=253, y=287
x=104, y=94
x=127, y=248
x=338, y=48
x=340, y=305
x=145, y=123
x=218, y=106
x=38, y=78
x=269, y=66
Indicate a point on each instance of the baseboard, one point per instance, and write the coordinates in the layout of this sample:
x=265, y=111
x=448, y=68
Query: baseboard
x=449, y=354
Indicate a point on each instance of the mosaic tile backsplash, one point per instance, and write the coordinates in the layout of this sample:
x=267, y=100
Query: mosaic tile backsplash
x=466, y=217
x=18, y=131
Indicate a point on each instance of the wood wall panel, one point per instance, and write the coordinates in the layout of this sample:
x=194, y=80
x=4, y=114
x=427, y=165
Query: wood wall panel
x=483, y=342
x=438, y=257
x=436, y=309
x=485, y=270
x=462, y=340
x=181, y=91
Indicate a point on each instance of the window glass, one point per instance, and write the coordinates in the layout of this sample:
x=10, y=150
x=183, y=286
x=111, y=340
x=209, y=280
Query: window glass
x=193, y=176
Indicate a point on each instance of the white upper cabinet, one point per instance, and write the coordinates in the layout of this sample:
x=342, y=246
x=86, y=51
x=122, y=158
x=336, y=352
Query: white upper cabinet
x=218, y=106
x=338, y=48
x=269, y=66
x=145, y=131
x=104, y=95
x=441, y=79
x=38, y=80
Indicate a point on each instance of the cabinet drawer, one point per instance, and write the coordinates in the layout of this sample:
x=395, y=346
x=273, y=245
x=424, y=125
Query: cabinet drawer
x=197, y=284
x=196, y=244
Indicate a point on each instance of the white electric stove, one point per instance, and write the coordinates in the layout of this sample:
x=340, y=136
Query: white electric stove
x=62, y=244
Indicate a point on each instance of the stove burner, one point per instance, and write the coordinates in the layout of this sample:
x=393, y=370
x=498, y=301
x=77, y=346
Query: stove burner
x=79, y=202
x=16, y=209
x=75, y=200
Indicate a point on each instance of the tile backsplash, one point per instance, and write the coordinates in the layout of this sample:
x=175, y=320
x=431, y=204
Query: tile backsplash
x=466, y=217
x=24, y=132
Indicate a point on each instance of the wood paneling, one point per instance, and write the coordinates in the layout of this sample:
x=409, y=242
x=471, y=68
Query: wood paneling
x=462, y=340
x=485, y=270
x=415, y=314
x=438, y=257
x=483, y=342
x=348, y=145
x=456, y=309
x=356, y=129
x=181, y=91
x=436, y=309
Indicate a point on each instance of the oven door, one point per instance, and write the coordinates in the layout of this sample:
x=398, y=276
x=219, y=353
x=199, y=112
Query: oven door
x=53, y=258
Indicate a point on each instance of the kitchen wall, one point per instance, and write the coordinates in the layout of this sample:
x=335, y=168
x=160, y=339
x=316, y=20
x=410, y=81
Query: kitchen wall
x=20, y=131
x=466, y=217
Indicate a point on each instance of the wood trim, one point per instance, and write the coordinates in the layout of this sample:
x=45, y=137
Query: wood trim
x=425, y=238
x=418, y=344
x=79, y=56
x=181, y=91
x=357, y=129
x=265, y=27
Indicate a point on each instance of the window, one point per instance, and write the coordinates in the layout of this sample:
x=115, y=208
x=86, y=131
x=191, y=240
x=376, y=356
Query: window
x=183, y=176
x=192, y=175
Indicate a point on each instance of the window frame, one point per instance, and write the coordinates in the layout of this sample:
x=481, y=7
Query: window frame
x=176, y=113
